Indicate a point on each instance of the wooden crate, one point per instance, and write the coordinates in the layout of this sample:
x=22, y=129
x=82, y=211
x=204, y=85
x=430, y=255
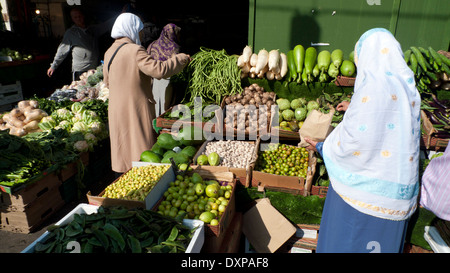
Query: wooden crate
x=30, y=193
x=11, y=93
x=24, y=218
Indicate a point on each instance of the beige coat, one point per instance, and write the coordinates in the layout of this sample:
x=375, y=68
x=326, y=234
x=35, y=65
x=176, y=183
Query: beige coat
x=131, y=104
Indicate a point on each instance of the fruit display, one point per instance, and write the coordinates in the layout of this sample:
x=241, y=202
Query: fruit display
x=283, y=159
x=118, y=230
x=250, y=110
x=431, y=69
x=193, y=197
x=292, y=113
x=136, y=183
x=230, y=153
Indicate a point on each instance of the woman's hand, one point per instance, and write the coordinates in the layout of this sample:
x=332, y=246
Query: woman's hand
x=50, y=72
x=343, y=106
x=312, y=144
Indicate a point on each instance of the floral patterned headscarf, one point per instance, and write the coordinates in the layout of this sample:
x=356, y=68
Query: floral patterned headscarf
x=167, y=43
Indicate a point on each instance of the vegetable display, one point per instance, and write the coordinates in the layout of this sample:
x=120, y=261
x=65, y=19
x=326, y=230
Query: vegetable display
x=15, y=54
x=431, y=69
x=250, y=110
x=438, y=113
x=192, y=197
x=212, y=75
x=118, y=230
x=293, y=113
x=89, y=86
x=20, y=160
x=271, y=64
x=23, y=119
x=232, y=153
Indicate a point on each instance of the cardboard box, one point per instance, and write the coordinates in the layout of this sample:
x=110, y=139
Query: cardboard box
x=244, y=174
x=151, y=199
x=265, y=228
x=268, y=180
x=194, y=246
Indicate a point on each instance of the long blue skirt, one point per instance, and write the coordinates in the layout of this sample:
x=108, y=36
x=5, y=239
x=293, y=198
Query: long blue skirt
x=343, y=229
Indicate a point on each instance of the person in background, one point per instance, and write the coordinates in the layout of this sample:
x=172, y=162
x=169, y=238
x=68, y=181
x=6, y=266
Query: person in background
x=372, y=156
x=82, y=41
x=128, y=72
x=435, y=188
x=162, y=49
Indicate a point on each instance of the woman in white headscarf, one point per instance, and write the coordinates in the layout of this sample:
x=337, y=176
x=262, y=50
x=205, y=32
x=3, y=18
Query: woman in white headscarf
x=128, y=72
x=372, y=156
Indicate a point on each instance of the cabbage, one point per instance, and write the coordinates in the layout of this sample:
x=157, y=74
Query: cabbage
x=89, y=116
x=63, y=114
x=79, y=127
x=47, y=123
x=78, y=108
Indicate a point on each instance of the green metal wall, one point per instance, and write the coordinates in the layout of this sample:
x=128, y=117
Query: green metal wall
x=283, y=24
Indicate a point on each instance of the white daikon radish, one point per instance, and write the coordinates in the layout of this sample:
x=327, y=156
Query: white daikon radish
x=263, y=58
x=283, y=65
x=253, y=59
x=274, y=60
x=246, y=54
x=240, y=61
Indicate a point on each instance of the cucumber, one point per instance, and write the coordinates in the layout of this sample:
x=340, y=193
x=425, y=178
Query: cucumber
x=413, y=62
x=407, y=55
x=420, y=59
x=435, y=56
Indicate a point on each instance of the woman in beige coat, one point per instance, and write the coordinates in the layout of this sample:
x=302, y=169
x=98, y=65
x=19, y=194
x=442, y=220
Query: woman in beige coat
x=128, y=72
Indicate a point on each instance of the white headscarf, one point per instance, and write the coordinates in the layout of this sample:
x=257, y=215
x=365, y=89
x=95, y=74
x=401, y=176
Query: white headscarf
x=372, y=155
x=127, y=25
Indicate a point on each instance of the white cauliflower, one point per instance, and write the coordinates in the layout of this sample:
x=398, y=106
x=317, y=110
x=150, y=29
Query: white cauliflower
x=81, y=146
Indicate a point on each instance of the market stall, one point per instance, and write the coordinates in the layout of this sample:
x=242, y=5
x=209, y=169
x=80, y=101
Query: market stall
x=226, y=165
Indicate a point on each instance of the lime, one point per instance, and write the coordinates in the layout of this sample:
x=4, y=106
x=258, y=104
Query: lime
x=214, y=222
